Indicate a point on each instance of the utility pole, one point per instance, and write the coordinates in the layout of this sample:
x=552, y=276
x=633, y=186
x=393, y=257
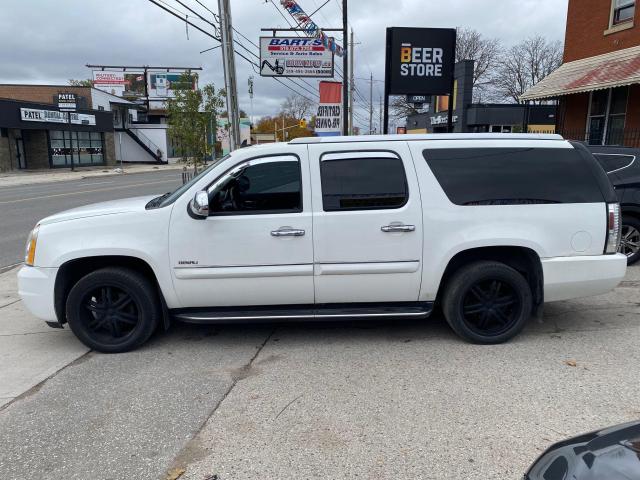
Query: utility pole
x=345, y=69
x=381, y=115
x=371, y=106
x=352, y=80
x=251, y=97
x=228, y=59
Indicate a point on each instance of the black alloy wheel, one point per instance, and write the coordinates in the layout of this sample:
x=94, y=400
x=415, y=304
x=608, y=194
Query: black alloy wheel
x=491, y=307
x=630, y=239
x=110, y=313
x=113, y=310
x=487, y=302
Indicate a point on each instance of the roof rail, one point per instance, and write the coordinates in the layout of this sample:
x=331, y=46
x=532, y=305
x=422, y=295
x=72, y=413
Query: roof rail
x=427, y=136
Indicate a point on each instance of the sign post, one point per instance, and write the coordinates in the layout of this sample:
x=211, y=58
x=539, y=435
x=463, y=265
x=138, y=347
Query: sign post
x=67, y=102
x=419, y=61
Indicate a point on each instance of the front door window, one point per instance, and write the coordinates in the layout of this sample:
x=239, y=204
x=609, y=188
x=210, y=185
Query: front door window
x=268, y=185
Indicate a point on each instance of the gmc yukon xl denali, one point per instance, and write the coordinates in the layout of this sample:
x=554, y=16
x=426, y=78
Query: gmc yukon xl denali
x=487, y=227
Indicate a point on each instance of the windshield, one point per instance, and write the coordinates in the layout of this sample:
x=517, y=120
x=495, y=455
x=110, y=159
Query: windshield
x=169, y=198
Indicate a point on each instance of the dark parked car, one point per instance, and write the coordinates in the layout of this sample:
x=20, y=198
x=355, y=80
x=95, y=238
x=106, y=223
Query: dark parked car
x=609, y=454
x=623, y=167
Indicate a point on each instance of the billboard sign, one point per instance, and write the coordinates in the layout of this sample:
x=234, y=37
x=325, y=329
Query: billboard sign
x=122, y=84
x=329, y=115
x=295, y=57
x=162, y=85
x=420, y=61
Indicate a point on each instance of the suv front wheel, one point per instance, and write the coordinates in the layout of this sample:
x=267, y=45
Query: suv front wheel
x=487, y=302
x=113, y=310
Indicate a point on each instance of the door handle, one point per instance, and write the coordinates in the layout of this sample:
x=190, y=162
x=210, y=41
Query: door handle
x=398, y=228
x=288, y=232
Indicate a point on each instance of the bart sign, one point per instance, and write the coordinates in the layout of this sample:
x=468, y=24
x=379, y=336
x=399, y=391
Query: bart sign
x=420, y=61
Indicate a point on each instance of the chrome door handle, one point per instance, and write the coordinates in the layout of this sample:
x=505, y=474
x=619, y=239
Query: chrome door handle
x=287, y=232
x=398, y=228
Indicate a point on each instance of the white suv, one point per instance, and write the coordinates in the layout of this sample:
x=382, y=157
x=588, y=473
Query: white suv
x=487, y=226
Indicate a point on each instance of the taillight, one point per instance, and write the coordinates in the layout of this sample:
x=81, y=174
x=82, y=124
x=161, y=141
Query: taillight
x=613, y=229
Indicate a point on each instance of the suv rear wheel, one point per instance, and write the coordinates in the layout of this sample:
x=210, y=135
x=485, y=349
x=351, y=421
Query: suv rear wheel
x=487, y=302
x=630, y=240
x=113, y=310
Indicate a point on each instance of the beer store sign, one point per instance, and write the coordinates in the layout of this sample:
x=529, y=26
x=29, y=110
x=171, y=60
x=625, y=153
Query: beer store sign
x=420, y=61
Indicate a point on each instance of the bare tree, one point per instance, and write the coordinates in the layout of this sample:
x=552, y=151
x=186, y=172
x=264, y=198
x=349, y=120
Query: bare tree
x=400, y=109
x=485, y=52
x=526, y=64
x=297, y=106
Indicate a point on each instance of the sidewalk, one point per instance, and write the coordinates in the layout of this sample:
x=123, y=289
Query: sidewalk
x=13, y=179
x=30, y=351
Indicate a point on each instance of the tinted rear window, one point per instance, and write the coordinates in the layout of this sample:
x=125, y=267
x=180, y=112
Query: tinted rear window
x=513, y=176
x=363, y=183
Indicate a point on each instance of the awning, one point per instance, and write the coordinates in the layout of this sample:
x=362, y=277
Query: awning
x=615, y=69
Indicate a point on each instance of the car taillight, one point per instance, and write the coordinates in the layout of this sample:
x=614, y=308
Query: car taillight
x=613, y=229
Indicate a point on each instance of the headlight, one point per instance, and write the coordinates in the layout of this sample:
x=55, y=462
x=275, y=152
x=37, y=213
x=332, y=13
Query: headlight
x=30, y=250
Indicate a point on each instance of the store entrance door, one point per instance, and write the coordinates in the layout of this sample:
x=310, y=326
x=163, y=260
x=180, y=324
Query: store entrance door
x=20, y=157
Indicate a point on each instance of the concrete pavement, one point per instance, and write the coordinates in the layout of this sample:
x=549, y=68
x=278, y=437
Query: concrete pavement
x=383, y=400
x=34, y=177
x=30, y=351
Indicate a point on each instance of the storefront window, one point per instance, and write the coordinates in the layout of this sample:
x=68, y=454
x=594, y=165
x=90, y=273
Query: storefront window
x=607, y=116
x=87, y=148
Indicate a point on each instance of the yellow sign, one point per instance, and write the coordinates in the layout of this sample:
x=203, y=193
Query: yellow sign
x=303, y=123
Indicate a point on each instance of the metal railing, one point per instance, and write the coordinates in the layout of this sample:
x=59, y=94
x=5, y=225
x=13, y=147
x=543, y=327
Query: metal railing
x=626, y=138
x=146, y=141
x=187, y=175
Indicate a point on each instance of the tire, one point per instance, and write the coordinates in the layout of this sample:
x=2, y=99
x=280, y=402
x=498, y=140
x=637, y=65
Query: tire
x=630, y=241
x=487, y=302
x=113, y=310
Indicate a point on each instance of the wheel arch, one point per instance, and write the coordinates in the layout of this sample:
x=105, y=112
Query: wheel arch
x=522, y=259
x=73, y=270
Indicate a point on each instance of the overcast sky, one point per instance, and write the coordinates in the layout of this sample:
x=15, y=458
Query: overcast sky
x=46, y=41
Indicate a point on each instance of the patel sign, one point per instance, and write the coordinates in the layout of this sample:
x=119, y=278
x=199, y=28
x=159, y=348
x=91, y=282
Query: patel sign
x=420, y=60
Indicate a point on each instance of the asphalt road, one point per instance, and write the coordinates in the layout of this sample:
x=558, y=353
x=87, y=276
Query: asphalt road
x=22, y=206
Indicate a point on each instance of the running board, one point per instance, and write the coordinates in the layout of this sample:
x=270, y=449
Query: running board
x=297, y=313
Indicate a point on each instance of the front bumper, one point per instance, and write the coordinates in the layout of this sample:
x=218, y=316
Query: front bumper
x=575, y=277
x=36, y=289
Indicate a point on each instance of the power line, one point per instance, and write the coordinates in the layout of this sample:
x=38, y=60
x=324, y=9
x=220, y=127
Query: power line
x=253, y=64
x=215, y=27
x=215, y=15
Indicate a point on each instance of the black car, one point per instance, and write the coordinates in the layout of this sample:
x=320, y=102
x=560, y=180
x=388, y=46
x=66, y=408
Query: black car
x=609, y=454
x=623, y=167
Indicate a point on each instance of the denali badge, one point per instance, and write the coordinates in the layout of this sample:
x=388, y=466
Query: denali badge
x=188, y=262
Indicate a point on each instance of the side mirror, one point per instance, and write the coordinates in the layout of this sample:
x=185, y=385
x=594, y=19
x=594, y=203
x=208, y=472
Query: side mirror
x=200, y=205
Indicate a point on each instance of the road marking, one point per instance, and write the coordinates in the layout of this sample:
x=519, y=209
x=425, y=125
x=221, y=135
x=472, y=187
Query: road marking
x=95, y=183
x=86, y=191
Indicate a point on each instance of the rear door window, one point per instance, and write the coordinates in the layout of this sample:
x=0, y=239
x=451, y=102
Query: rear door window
x=362, y=181
x=513, y=176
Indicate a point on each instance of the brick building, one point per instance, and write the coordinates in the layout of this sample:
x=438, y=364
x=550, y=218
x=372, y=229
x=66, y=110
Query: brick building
x=598, y=84
x=34, y=134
